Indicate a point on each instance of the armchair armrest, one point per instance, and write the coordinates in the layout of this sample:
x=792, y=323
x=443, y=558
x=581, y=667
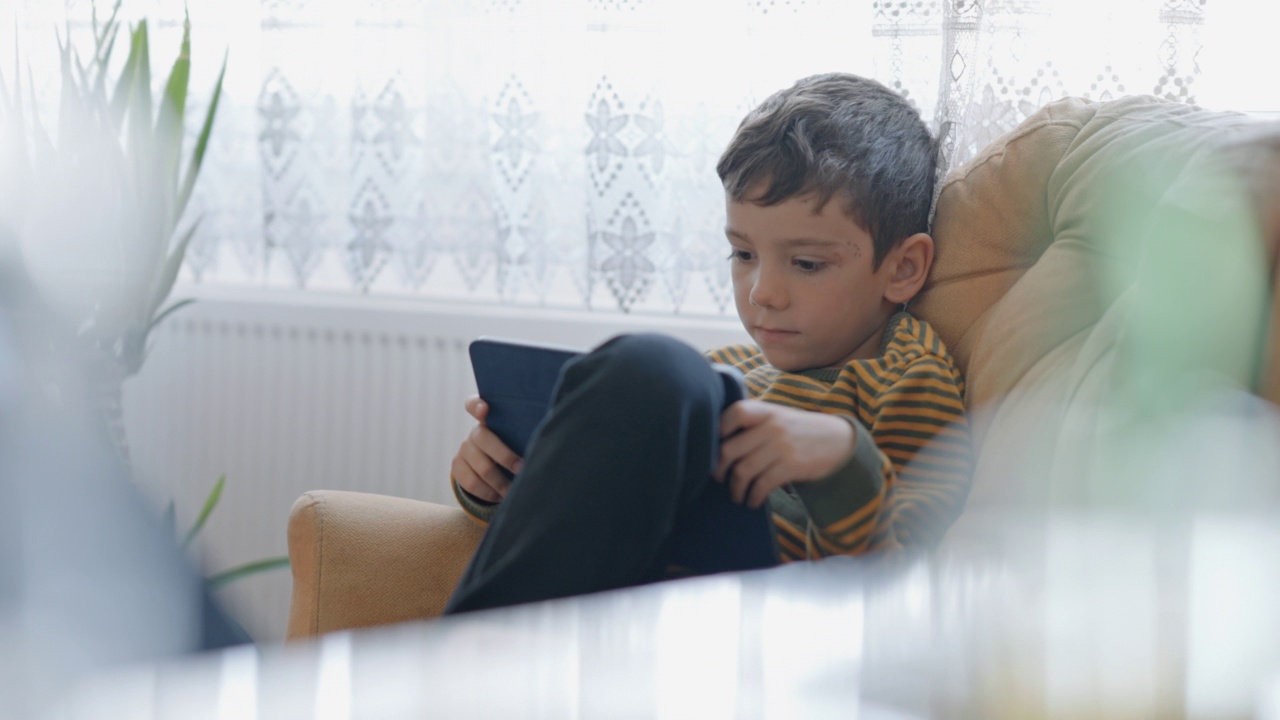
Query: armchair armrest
x=360, y=559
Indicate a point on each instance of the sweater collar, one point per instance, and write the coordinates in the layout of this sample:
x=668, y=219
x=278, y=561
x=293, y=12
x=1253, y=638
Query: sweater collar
x=829, y=375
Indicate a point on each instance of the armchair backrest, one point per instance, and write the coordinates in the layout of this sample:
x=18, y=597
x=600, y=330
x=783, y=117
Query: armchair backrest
x=1033, y=246
x=1049, y=257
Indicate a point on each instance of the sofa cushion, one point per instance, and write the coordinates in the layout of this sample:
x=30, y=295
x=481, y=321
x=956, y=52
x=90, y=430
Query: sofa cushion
x=1066, y=282
x=1042, y=432
x=1034, y=235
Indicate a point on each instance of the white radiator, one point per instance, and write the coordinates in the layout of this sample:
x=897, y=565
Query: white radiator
x=285, y=392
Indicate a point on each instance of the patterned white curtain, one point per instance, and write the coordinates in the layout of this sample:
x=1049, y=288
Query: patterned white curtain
x=562, y=152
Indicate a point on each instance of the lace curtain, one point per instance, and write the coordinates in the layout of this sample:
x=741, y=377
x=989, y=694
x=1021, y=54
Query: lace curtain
x=547, y=152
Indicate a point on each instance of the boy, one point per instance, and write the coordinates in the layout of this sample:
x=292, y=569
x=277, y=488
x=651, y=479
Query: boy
x=854, y=432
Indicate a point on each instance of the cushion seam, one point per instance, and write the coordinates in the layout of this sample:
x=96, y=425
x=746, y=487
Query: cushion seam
x=981, y=273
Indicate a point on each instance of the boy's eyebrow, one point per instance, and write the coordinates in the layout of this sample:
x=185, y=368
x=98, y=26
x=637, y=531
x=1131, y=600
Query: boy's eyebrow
x=810, y=242
x=789, y=242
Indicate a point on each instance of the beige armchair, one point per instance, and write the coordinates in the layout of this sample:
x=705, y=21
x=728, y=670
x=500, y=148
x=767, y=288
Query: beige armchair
x=1015, y=292
x=360, y=559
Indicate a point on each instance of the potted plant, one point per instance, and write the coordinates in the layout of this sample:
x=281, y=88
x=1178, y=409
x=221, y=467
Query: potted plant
x=98, y=204
x=97, y=207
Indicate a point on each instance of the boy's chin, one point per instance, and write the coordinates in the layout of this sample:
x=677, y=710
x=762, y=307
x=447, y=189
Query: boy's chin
x=786, y=362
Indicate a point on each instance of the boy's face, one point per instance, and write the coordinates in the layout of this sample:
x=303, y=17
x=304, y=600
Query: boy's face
x=803, y=282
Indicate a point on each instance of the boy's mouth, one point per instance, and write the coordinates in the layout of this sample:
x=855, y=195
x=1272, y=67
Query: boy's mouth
x=774, y=334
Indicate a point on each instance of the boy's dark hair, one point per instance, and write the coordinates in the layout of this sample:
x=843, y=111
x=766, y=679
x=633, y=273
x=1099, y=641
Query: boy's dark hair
x=838, y=134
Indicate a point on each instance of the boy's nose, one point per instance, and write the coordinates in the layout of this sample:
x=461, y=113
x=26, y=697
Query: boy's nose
x=767, y=292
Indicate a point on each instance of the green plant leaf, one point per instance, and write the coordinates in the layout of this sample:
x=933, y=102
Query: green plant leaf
x=131, y=102
x=252, y=568
x=162, y=285
x=210, y=503
x=104, y=61
x=202, y=143
x=169, y=311
x=169, y=125
x=102, y=55
x=146, y=334
x=140, y=147
x=108, y=30
x=140, y=112
x=120, y=97
x=82, y=71
x=91, y=88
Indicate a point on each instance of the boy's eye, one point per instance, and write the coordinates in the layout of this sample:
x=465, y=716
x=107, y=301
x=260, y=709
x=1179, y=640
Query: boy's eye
x=809, y=266
x=741, y=255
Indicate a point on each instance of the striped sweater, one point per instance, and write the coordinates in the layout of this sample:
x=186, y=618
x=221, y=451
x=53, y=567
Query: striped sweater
x=909, y=473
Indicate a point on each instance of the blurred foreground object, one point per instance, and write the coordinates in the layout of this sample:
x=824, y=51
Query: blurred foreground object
x=97, y=205
x=89, y=250
x=1086, y=617
x=89, y=577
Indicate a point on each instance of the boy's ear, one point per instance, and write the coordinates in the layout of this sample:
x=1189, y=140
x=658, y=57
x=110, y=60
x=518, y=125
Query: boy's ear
x=908, y=267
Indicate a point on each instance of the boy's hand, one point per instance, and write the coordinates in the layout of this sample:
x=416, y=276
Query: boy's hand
x=477, y=466
x=777, y=445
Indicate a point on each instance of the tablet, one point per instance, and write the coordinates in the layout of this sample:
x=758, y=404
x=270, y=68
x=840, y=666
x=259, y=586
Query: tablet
x=517, y=379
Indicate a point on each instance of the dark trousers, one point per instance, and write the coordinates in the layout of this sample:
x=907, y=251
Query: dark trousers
x=627, y=449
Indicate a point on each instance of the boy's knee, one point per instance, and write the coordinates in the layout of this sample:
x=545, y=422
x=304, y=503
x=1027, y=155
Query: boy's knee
x=653, y=366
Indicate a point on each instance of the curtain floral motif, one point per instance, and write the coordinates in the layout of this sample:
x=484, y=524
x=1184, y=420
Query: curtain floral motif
x=542, y=152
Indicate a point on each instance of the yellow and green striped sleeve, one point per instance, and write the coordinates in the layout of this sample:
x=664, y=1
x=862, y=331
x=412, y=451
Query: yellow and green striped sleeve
x=923, y=431
x=909, y=473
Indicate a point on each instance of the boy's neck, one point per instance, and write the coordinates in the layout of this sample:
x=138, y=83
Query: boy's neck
x=878, y=342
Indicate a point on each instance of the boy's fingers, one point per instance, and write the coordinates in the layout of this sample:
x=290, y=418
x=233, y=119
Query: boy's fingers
x=730, y=450
x=486, y=470
x=467, y=479
x=734, y=449
x=477, y=408
x=765, y=484
x=745, y=414
x=747, y=473
x=738, y=416
x=480, y=490
x=495, y=449
x=740, y=485
x=731, y=420
x=737, y=438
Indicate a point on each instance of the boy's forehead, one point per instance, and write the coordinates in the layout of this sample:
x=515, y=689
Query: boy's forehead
x=831, y=209
x=792, y=224
x=815, y=199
